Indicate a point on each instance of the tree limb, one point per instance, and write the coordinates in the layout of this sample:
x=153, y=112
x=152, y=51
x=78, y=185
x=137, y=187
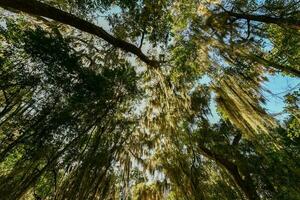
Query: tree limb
x=142, y=40
x=245, y=185
x=33, y=7
x=291, y=23
x=236, y=139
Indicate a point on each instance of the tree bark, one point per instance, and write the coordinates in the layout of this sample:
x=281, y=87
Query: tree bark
x=245, y=185
x=288, y=22
x=33, y=7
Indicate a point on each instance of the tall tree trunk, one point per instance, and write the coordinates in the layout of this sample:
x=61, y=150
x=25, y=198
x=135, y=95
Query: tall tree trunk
x=34, y=7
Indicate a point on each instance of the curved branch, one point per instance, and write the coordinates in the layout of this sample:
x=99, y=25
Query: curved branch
x=33, y=7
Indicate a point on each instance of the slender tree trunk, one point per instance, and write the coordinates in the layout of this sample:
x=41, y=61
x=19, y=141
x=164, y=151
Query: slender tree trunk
x=245, y=185
x=288, y=22
x=34, y=7
x=277, y=66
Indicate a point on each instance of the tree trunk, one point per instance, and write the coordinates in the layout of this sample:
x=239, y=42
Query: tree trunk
x=245, y=185
x=34, y=7
x=277, y=66
x=288, y=22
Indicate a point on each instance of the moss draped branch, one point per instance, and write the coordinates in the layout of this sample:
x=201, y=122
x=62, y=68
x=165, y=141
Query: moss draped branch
x=33, y=7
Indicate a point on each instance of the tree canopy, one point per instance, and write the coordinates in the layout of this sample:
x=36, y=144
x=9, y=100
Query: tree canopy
x=112, y=99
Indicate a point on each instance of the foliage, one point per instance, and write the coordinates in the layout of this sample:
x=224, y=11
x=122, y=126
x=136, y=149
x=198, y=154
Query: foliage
x=80, y=118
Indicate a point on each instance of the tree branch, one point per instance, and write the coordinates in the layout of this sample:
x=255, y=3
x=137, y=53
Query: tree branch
x=33, y=7
x=236, y=139
x=244, y=184
x=291, y=23
x=142, y=40
x=277, y=66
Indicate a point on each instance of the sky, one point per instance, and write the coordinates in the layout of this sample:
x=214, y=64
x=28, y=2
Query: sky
x=279, y=85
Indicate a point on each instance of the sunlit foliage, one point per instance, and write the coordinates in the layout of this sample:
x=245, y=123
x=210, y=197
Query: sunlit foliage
x=124, y=111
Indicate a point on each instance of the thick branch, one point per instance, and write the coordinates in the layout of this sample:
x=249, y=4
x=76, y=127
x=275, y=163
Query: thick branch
x=292, y=23
x=34, y=7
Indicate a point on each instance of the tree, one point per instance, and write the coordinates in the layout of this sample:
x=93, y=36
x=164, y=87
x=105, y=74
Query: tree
x=120, y=112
